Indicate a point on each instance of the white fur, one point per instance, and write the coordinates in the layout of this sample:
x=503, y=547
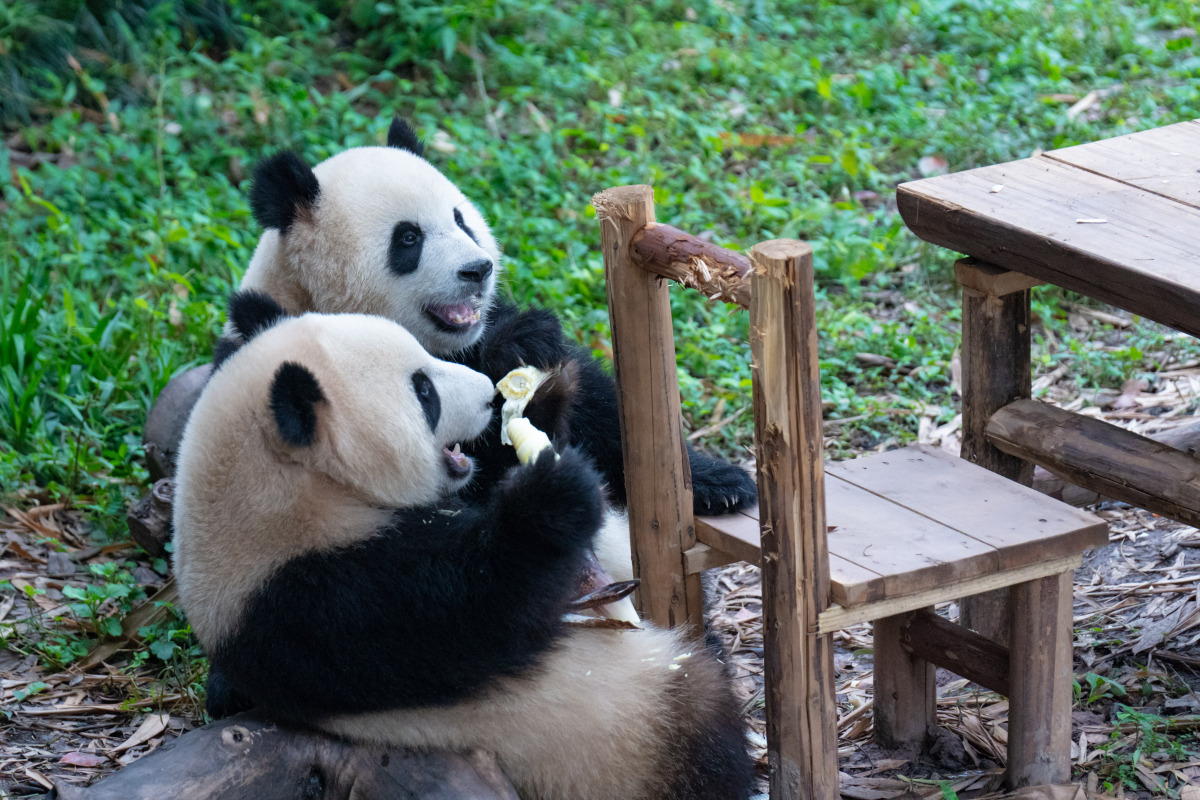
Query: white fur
x=335, y=259
x=243, y=497
x=595, y=722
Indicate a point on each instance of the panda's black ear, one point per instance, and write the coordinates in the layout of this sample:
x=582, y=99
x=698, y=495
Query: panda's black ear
x=252, y=312
x=294, y=397
x=401, y=136
x=283, y=187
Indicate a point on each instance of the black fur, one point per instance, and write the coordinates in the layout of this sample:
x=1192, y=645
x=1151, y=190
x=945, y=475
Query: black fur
x=250, y=313
x=294, y=397
x=462, y=223
x=712, y=762
x=283, y=187
x=427, y=610
x=427, y=396
x=534, y=337
x=401, y=136
x=221, y=699
x=404, y=251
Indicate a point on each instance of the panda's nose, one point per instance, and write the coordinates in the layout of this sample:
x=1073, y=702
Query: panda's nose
x=476, y=271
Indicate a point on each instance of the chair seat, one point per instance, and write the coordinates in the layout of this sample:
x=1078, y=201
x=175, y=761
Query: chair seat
x=910, y=521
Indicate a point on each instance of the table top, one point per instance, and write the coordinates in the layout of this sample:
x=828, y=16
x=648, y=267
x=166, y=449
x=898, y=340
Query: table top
x=1117, y=220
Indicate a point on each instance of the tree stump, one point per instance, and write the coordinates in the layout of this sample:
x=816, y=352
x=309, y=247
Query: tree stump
x=247, y=757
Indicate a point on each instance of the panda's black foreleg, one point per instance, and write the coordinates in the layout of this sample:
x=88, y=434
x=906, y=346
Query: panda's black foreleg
x=719, y=487
x=221, y=698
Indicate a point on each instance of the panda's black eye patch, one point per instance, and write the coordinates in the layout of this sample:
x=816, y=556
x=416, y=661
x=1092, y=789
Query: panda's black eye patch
x=462, y=223
x=427, y=396
x=404, y=252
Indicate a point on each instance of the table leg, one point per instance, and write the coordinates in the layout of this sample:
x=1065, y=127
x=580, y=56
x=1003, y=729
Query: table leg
x=996, y=371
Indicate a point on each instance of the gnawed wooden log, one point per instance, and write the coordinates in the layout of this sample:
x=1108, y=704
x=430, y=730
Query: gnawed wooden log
x=717, y=273
x=247, y=757
x=150, y=518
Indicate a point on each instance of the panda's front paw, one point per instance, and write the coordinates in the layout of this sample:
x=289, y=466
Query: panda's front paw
x=550, y=408
x=719, y=487
x=554, y=499
x=531, y=338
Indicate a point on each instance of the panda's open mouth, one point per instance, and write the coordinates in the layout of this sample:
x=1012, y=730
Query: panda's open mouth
x=456, y=317
x=458, y=463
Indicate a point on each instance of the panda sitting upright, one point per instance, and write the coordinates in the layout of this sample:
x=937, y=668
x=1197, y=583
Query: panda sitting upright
x=378, y=230
x=336, y=581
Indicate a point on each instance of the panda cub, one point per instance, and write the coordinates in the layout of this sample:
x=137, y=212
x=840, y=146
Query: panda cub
x=378, y=230
x=336, y=580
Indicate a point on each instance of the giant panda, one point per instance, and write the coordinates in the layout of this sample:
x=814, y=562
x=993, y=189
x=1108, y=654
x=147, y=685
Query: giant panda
x=336, y=580
x=379, y=230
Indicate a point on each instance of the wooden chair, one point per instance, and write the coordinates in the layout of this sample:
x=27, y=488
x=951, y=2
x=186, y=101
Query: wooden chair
x=905, y=529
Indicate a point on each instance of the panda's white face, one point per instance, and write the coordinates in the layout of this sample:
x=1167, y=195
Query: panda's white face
x=353, y=398
x=385, y=234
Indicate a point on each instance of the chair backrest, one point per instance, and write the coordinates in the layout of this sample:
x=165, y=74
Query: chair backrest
x=776, y=284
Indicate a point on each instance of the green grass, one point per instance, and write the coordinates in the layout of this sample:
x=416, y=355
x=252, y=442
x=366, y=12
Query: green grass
x=117, y=254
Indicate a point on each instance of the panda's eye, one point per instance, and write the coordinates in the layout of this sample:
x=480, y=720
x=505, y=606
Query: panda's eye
x=427, y=396
x=407, y=234
x=404, y=252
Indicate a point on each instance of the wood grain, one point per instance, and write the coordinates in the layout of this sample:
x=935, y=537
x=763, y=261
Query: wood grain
x=1142, y=259
x=798, y=664
x=657, y=475
x=986, y=279
x=1039, y=707
x=1023, y=525
x=1164, y=161
x=905, y=691
x=1099, y=456
x=939, y=641
x=717, y=273
x=996, y=371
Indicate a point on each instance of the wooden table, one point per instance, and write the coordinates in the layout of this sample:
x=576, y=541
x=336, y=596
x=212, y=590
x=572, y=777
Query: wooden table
x=1117, y=220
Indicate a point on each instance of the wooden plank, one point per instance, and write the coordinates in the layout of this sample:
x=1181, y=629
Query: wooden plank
x=797, y=662
x=700, y=557
x=905, y=690
x=962, y=651
x=837, y=617
x=1039, y=707
x=910, y=551
x=1165, y=161
x=1142, y=259
x=738, y=536
x=1023, y=525
x=717, y=273
x=658, y=479
x=1094, y=454
x=986, y=279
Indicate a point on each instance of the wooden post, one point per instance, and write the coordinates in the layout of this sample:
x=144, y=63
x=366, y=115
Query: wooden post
x=1039, y=707
x=798, y=662
x=996, y=371
x=905, y=686
x=658, y=479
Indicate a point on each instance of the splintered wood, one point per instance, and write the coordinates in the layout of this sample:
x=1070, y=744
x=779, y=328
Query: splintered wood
x=715, y=272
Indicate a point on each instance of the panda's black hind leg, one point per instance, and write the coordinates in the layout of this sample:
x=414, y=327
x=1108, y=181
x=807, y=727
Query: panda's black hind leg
x=221, y=699
x=719, y=487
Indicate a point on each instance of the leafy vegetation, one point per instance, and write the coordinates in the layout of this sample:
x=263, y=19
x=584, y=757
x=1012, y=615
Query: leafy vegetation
x=130, y=142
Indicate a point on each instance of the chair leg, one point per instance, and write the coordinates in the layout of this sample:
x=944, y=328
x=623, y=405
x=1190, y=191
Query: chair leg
x=905, y=689
x=1040, y=666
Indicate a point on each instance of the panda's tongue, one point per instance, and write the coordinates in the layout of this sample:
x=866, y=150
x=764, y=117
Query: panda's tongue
x=457, y=314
